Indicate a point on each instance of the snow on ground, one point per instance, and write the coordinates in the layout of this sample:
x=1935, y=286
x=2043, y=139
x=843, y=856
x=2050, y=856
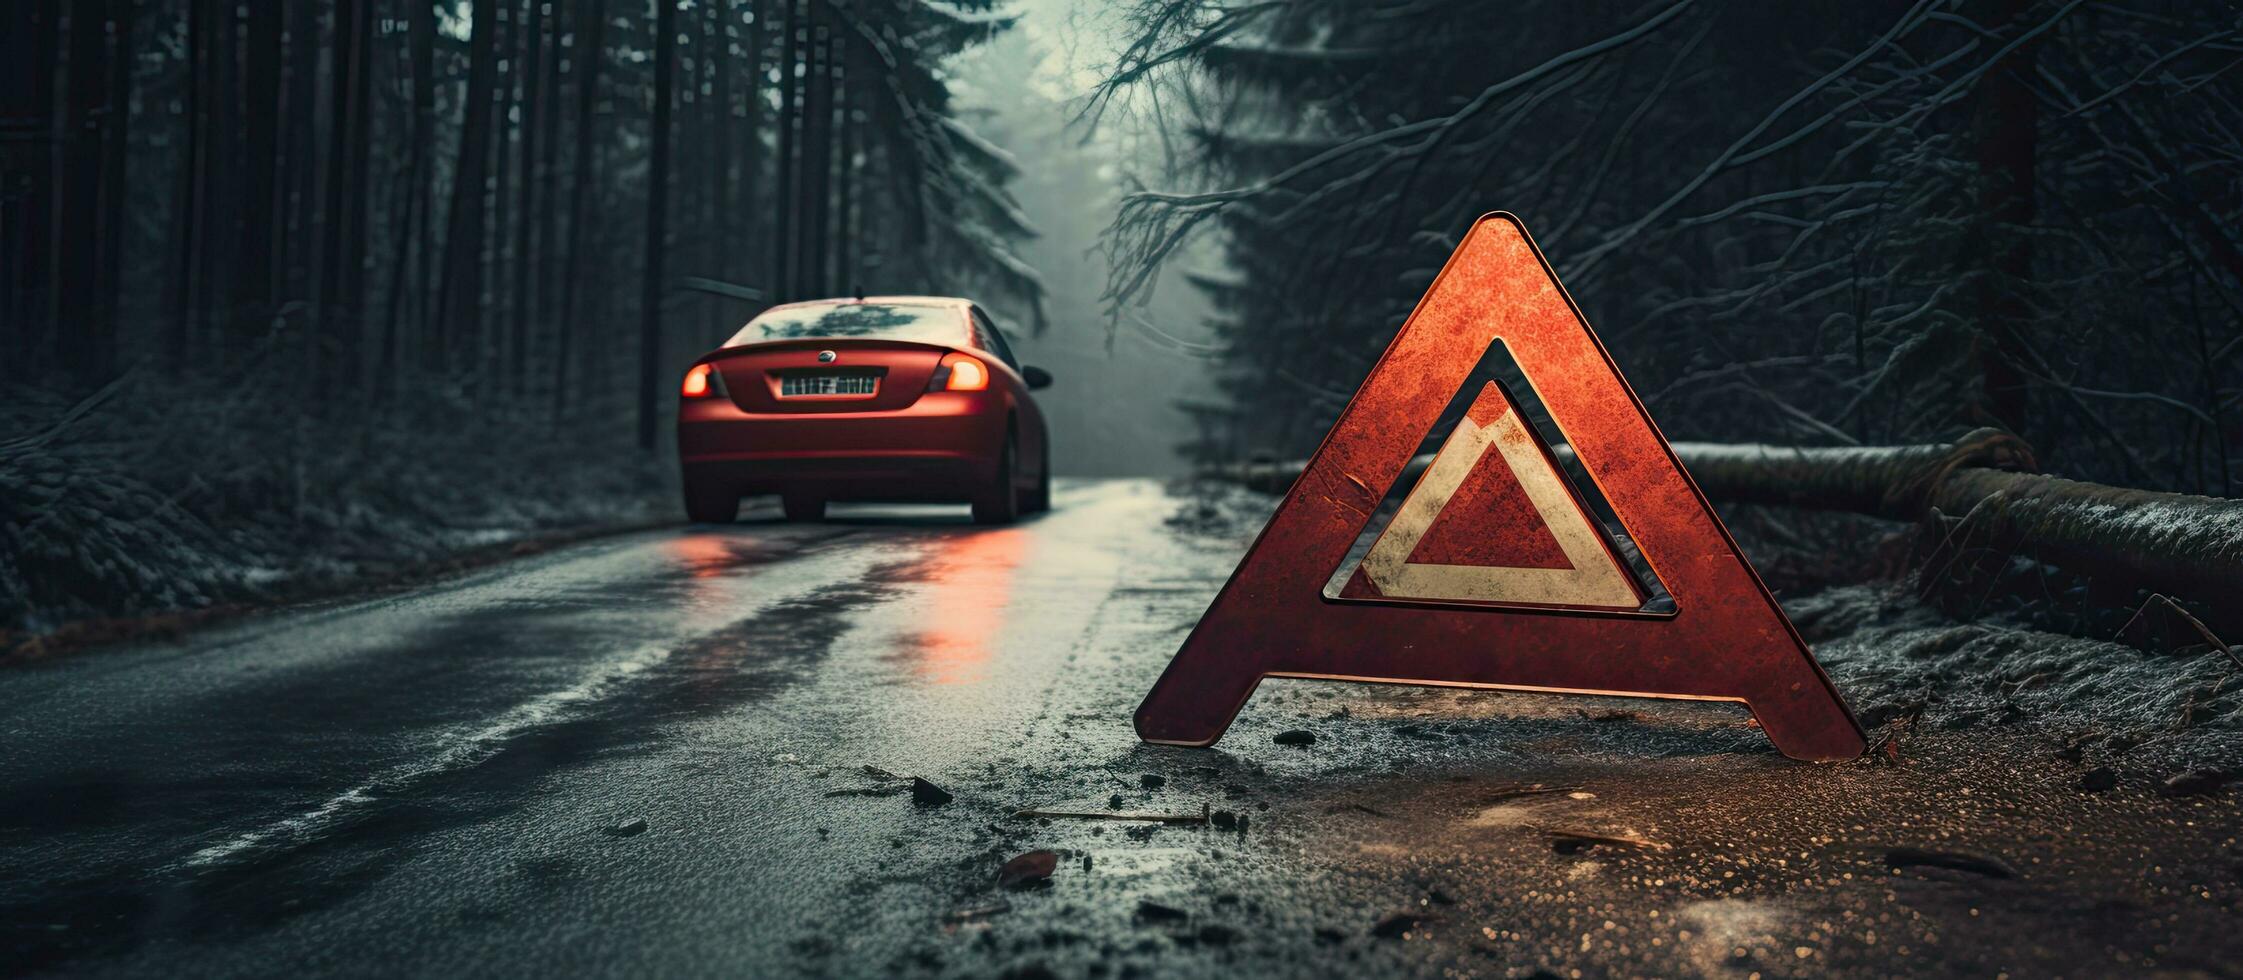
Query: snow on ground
x=1905, y=662
x=158, y=499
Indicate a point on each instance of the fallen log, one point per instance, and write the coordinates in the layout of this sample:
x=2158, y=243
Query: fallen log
x=2178, y=544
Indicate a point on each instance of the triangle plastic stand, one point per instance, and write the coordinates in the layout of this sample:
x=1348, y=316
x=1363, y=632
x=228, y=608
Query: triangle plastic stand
x=1726, y=640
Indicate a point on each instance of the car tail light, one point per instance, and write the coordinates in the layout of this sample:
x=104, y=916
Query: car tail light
x=697, y=384
x=959, y=372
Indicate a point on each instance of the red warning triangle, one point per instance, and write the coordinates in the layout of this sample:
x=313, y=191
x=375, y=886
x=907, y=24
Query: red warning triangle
x=1494, y=573
x=1492, y=521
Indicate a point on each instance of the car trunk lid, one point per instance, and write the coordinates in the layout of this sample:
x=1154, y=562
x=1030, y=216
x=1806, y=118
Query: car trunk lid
x=832, y=375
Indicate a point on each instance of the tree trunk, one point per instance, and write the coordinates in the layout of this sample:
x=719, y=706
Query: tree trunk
x=783, y=198
x=299, y=255
x=746, y=258
x=28, y=41
x=187, y=203
x=2007, y=117
x=532, y=103
x=83, y=335
x=421, y=47
x=493, y=354
x=546, y=245
x=720, y=148
x=657, y=220
x=845, y=277
x=590, y=45
x=253, y=295
x=116, y=190
x=221, y=190
x=334, y=348
x=817, y=159
x=459, y=313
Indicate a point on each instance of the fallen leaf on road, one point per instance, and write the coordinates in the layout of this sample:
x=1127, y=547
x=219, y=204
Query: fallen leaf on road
x=1151, y=911
x=1398, y=924
x=2195, y=782
x=1031, y=868
x=1917, y=857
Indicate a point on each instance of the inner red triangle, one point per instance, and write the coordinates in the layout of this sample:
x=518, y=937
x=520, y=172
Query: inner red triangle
x=1491, y=523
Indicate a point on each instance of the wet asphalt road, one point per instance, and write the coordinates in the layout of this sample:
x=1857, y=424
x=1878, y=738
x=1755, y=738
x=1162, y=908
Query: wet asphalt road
x=433, y=782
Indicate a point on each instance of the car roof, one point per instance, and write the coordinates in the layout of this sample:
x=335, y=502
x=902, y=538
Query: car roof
x=952, y=302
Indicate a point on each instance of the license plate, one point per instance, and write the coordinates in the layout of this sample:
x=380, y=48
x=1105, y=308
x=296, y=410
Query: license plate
x=857, y=383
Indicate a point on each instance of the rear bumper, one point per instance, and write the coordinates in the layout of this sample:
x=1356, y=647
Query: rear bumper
x=945, y=447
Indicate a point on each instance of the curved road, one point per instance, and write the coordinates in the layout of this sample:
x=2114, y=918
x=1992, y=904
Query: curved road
x=687, y=751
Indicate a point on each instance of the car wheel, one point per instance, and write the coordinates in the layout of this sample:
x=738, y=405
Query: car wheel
x=1040, y=500
x=707, y=503
x=1001, y=503
x=802, y=507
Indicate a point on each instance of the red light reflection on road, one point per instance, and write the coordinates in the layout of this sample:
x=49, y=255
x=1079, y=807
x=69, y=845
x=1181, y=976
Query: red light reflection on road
x=703, y=555
x=970, y=584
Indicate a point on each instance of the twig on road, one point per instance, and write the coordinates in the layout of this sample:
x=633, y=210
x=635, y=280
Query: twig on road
x=1200, y=817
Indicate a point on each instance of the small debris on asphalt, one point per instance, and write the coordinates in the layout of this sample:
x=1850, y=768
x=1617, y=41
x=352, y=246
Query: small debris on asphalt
x=1114, y=801
x=1297, y=738
x=1224, y=820
x=1032, y=868
x=1505, y=793
x=2098, y=779
x=1152, y=780
x=2195, y=782
x=978, y=912
x=1575, y=841
x=1120, y=815
x=1917, y=857
x=1151, y=911
x=1398, y=924
x=1326, y=934
x=925, y=793
x=628, y=828
x=893, y=790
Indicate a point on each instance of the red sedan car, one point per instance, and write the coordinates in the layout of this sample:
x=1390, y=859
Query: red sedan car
x=903, y=398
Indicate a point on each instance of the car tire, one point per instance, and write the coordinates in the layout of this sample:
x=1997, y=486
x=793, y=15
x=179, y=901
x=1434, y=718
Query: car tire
x=1000, y=504
x=707, y=503
x=803, y=508
x=1039, y=501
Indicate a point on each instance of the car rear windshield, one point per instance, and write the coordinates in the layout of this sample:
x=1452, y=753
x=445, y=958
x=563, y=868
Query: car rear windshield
x=880, y=321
